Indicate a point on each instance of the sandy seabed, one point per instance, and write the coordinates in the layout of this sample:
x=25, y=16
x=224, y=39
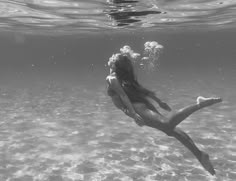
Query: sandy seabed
x=60, y=133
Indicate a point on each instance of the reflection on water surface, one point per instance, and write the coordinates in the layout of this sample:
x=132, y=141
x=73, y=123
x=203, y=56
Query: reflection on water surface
x=43, y=16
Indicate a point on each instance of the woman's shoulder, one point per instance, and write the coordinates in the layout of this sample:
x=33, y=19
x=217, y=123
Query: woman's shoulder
x=113, y=81
x=111, y=77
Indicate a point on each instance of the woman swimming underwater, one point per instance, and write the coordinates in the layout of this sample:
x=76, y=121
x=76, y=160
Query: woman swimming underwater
x=134, y=100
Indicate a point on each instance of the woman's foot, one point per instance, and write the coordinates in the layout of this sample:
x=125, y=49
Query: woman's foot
x=206, y=163
x=204, y=102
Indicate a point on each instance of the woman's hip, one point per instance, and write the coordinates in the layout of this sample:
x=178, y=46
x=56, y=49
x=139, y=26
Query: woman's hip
x=151, y=117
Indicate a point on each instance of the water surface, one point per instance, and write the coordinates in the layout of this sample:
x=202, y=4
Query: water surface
x=88, y=17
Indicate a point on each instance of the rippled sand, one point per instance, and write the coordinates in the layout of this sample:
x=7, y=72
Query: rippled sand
x=73, y=133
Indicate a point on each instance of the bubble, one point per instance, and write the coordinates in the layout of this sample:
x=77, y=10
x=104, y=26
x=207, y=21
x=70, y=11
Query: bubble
x=152, y=52
x=126, y=50
x=135, y=55
x=149, y=61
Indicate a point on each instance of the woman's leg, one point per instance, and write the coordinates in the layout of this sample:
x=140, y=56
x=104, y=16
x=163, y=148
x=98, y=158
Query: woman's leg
x=202, y=157
x=157, y=121
x=182, y=114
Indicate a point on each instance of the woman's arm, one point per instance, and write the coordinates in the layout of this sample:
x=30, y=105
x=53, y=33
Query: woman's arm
x=162, y=104
x=114, y=83
x=130, y=111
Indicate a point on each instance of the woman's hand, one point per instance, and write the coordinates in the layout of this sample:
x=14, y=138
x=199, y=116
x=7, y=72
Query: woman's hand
x=139, y=120
x=165, y=106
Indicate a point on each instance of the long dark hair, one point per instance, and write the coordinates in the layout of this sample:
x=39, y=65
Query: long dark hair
x=128, y=80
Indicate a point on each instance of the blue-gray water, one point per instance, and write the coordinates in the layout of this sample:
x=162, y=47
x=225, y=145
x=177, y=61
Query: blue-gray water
x=57, y=122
